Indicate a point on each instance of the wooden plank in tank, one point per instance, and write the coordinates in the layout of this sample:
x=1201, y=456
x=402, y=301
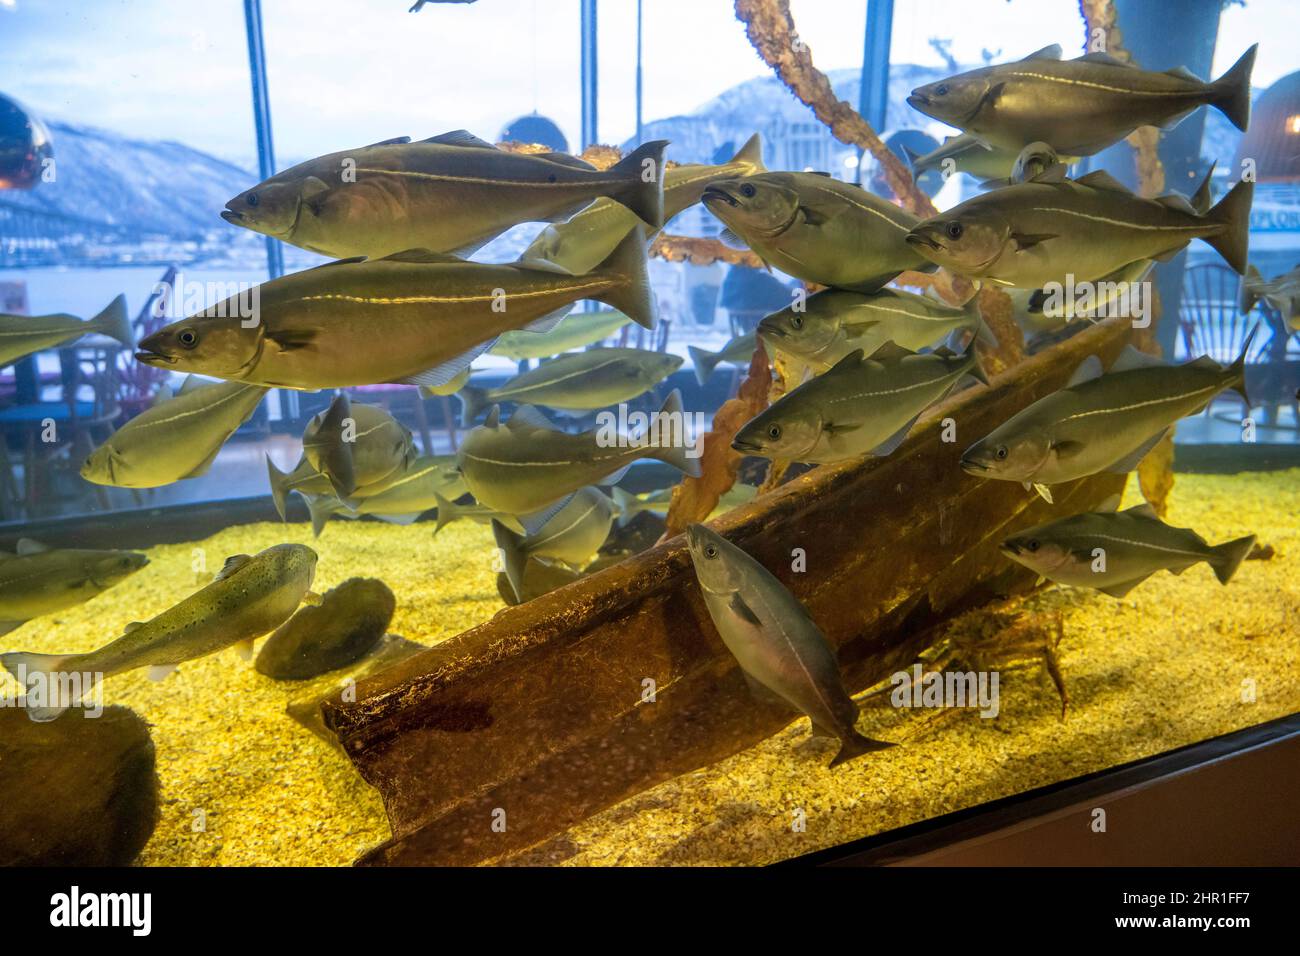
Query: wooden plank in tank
x=539, y=711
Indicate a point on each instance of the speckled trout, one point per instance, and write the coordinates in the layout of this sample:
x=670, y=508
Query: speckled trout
x=1079, y=106
x=1114, y=552
x=418, y=318
x=449, y=193
x=250, y=597
x=780, y=649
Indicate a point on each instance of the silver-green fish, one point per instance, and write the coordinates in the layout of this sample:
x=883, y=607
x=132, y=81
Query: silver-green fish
x=449, y=510
x=582, y=242
x=357, y=445
x=817, y=228
x=38, y=581
x=629, y=505
x=1079, y=106
x=780, y=649
x=738, y=350
x=576, y=330
x=572, y=537
x=250, y=597
x=22, y=335
x=1114, y=552
x=579, y=381
x=1100, y=422
x=863, y=405
x=178, y=437
x=964, y=154
x=833, y=323
x=449, y=193
x=525, y=466
x=403, y=498
x=417, y=317
x=1052, y=229
x=1282, y=293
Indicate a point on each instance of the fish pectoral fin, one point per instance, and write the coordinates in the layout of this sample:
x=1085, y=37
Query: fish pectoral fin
x=159, y=672
x=287, y=340
x=245, y=649
x=202, y=467
x=1027, y=240
x=764, y=694
x=890, y=444
x=1066, y=450
x=840, y=428
x=738, y=607
x=1121, y=588
x=233, y=564
x=1044, y=492
x=729, y=237
x=1133, y=458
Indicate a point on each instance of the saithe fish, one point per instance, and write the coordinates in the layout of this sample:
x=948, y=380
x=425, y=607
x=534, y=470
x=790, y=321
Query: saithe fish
x=1114, y=552
x=576, y=330
x=1051, y=228
x=525, y=466
x=1100, y=422
x=1079, y=106
x=738, y=350
x=779, y=648
x=449, y=193
x=864, y=404
x=39, y=580
x=629, y=505
x=178, y=437
x=582, y=242
x=414, y=317
x=572, y=537
x=356, y=445
x=817, y=228
x=22, y=335
x=579, y=381
x=403, y=498
x=1281, y=293
x=250, y=597
x=963, y=154
x=449, y=510
x=833, y=323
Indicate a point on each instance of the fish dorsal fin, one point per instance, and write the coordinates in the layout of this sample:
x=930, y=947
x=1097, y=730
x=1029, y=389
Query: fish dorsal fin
x=890, y=351
x=233, y=564
x=852, y=360
x=1052, y=52
x=1100, y=179
x=567, y=159
x=164, y=394
x=459, y=137
x=1088, y=369
x=350, y=260
x=191, y=383
x=395, y=141
x=738, y=607
x=131, y=627
x=28, y=546
x=1054, y=173
x=1131, y=358
x=530, y=416
x=1110, y=504
x=534, y=523
x=1175, y=201
x=493, y=419
x=1183, y=73
x=1105, y=58
x=1143, y=510
x=421, y=255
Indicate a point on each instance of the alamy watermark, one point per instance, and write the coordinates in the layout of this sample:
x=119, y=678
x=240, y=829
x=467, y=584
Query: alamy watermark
x=1102, y=299
x=635, y=429
x=939, y=689
x=58, y=690
x=184, y=297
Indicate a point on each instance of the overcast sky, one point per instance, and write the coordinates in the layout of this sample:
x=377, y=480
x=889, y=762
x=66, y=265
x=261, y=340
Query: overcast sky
x=347, y=72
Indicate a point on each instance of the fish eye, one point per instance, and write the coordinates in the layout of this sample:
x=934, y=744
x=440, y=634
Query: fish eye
x=1032, y=544
x=954, y=230
x=774, y=431
x=747, y=189
x=941, y=89
x=710, y=551
x=252, y=199
x=188, y=338
x=796, y=321
x=1001, y=452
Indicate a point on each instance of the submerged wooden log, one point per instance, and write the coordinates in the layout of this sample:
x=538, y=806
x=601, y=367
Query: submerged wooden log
x=541, y=716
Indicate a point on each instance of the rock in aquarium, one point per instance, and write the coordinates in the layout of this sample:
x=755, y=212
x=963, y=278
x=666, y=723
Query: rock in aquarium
x=348, y=623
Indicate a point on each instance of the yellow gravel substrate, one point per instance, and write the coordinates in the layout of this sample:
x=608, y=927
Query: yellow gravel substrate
x=1162, y=668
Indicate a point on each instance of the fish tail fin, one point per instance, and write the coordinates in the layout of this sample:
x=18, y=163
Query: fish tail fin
x=856, y=745
x=751, y=154
x=321, y=507
x=279, y=487
x=1233, y=213
x=672, y=422
x=114, y=322
x=1226, y=558
x=976, y=370
x=1237, y=370
x=1249, y=298
x=623, y=501
x=448, y=511
x=472, y=402
x=1203, y=198
x=983, y=334
x=22, y=665
x=630, y=294
x=513, y=556
x=1232, y=90
x=703, y=361
x=645, y=194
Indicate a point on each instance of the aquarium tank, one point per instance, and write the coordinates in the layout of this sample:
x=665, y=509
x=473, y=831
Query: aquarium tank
x=664, y=433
